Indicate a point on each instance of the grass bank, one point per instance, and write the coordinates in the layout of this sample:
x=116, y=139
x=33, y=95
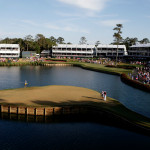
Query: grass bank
x=36, y=63
x=101, y=68
x=90, y=66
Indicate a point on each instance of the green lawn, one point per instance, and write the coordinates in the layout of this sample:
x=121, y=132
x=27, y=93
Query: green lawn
x=101, y=68
x=58, y=96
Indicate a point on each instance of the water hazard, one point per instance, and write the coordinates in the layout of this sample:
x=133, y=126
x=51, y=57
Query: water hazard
x=67, y=136
x=16, y=135
x=134, y=99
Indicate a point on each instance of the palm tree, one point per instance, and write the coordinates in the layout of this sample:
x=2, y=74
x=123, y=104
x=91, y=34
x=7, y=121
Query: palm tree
x=118, y=38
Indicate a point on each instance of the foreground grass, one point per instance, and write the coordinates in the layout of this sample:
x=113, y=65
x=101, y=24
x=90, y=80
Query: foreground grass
x=60, y=96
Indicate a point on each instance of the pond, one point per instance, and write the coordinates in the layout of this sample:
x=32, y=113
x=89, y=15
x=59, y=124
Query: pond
x=71, y=135
x=67, y=136
x=134, y=99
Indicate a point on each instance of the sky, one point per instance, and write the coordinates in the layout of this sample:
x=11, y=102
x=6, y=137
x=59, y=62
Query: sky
x=73, y=19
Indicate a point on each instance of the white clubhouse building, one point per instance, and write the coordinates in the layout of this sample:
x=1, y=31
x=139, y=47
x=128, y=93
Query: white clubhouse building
x=111, y=50
x=139, y=50
x=9, y=51
x=71, y=50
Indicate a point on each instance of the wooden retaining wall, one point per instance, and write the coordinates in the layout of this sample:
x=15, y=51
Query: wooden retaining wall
x=57, y=64
x=46, y=115
x=39, y=111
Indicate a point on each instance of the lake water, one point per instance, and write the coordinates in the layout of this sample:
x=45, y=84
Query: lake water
x=71, y=135
x=67, y=136
x=134, y=99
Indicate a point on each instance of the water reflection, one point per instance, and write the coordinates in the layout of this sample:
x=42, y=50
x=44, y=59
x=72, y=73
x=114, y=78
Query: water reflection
x=68, y=135
x=77, y=114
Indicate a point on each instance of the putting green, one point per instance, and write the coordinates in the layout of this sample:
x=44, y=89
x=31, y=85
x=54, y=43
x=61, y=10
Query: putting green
x=36, y=96
x=58, y=96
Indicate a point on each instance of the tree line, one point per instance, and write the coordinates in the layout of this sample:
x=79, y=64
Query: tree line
x=132, y=41
x=127, y=41
x=40, y=42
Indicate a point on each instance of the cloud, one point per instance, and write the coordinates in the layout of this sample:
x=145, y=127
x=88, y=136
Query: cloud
x=30, y=22
x=50, y=26
x=112, y=23
x=60, y=13
x=77, y=16
x=95, y=5
x=63, y=27
x=71, y=28
x=10, y=34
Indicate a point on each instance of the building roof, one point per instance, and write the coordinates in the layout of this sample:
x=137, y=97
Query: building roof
x=88, y=46
x=45, y=52
x=9, y=45
x=74, y=46
x=141, y=45
x=110, y=46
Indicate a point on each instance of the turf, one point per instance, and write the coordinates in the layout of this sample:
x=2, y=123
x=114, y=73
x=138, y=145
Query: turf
x=57, y=96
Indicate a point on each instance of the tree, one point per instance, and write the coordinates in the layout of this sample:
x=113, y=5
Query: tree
x=21, y=43
x=7, y=41
x=36, y=47
x=28, y=41
x=117, y=36
x=48, y=44
x=82, y=40
x=97, y=43
x=133, y=41
x=41, y=40
x=144, y=41
x=129, y=42
x=53, y=40
x=60, y=40
x=69, y=43
x=126, y=42
x=39, y=36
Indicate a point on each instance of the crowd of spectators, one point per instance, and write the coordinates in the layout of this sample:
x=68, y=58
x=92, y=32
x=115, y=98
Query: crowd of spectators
x=141, y=74
x=103, y=61
x=2, y=59
x=31, y=59
x=35, y=59
x=8, y=60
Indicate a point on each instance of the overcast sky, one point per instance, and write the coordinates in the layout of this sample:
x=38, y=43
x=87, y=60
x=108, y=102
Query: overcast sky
x=72, y=19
